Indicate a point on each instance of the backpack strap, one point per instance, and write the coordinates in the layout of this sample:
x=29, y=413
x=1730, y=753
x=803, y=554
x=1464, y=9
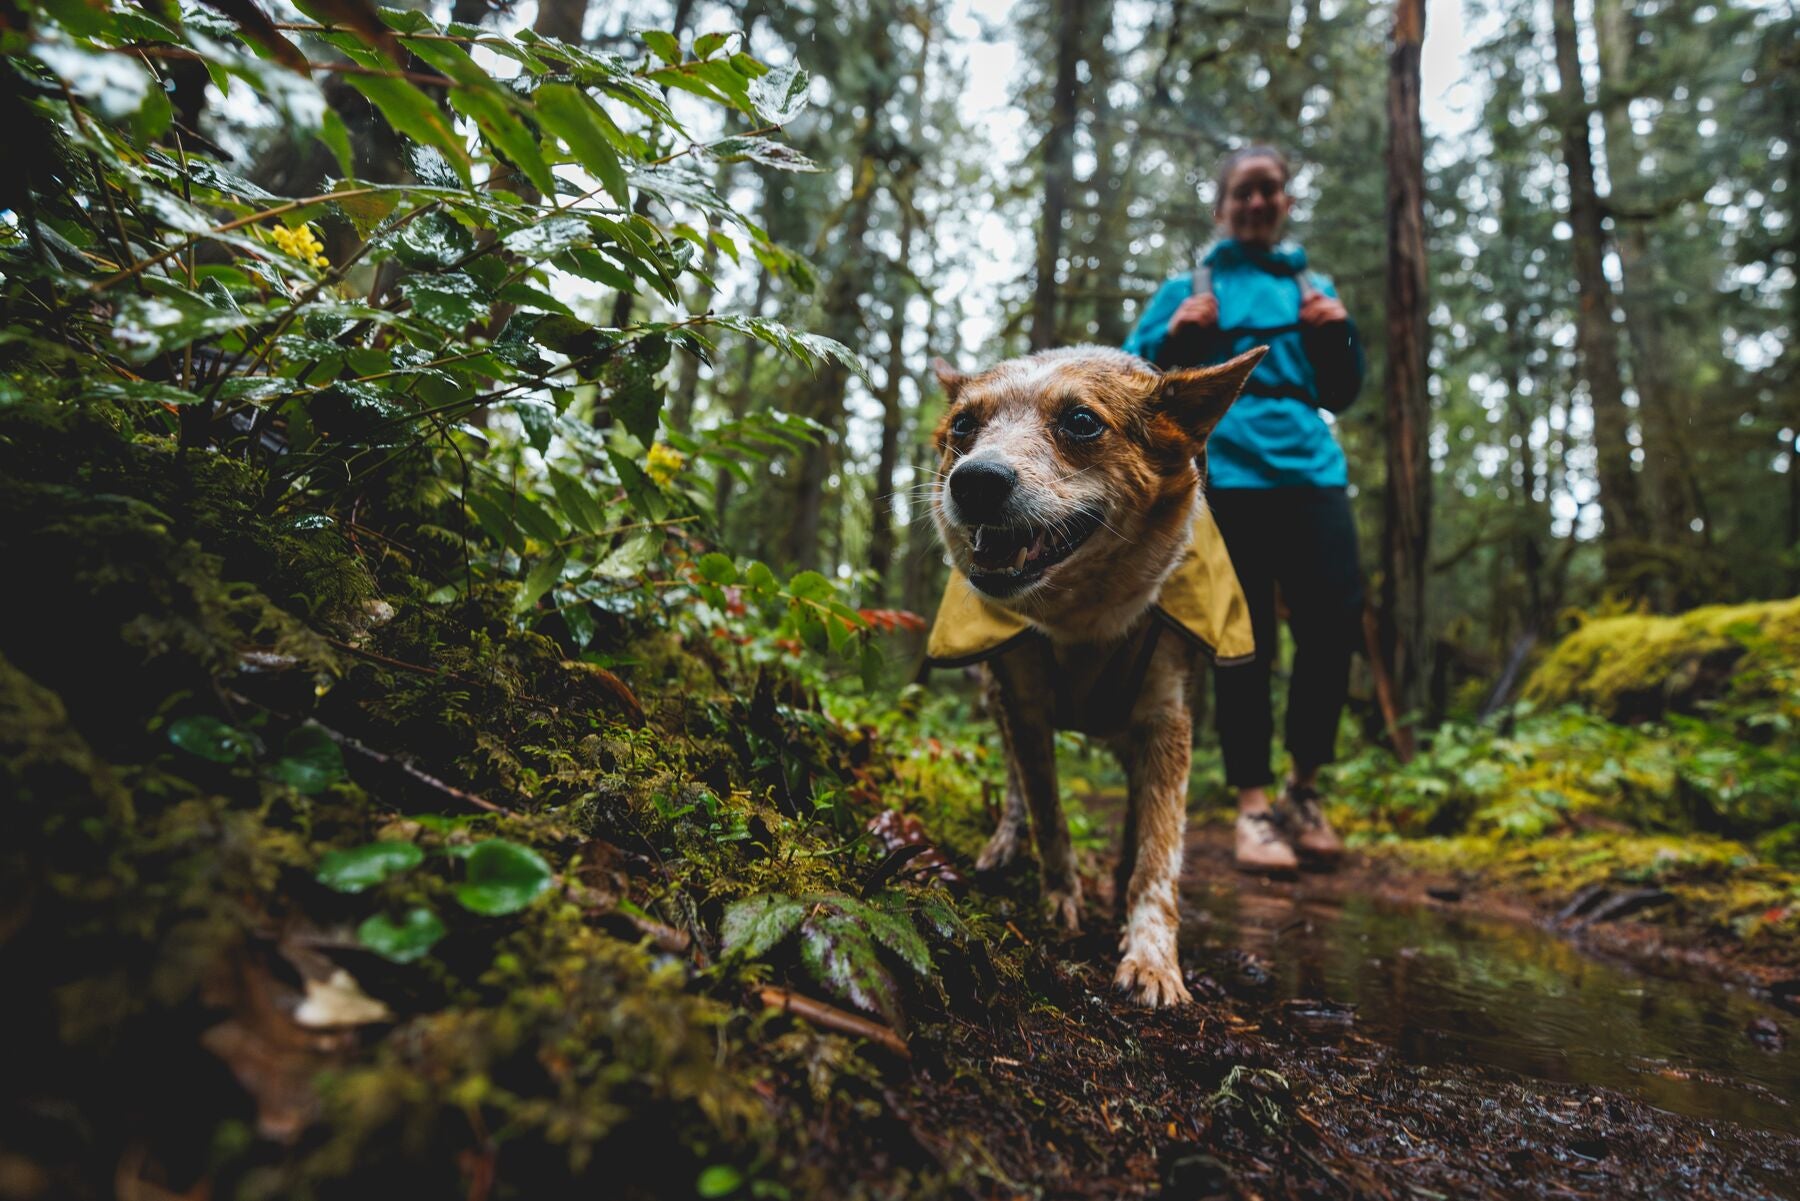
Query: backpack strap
x=1203, y=280
x=1308, y=289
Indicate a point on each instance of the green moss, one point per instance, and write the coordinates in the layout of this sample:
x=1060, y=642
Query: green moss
x=1638, y=666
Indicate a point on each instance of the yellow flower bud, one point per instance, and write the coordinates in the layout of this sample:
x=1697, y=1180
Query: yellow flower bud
x=664, y=463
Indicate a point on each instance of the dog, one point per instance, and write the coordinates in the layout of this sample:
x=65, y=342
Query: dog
x=1070, y=500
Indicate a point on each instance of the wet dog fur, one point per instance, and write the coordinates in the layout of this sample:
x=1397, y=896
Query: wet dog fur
x=1068, y=483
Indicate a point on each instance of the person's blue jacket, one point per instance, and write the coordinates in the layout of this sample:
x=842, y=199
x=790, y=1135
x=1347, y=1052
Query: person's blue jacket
x=1274, y=436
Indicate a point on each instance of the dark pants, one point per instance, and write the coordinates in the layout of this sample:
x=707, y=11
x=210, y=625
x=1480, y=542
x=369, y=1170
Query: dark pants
x=1304, y=540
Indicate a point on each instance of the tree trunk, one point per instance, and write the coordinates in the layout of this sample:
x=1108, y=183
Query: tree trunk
x=1059, y=151
x=739, y=401
x=1669, y=507
x=1406, y=528
x=843, y=320
x=564, y=20
x=624, y=301
x=1596, y=337
x=687, y=379
x=881, y=531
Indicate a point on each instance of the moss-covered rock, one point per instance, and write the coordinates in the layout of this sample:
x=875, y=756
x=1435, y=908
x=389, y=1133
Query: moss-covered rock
x=1635, y=666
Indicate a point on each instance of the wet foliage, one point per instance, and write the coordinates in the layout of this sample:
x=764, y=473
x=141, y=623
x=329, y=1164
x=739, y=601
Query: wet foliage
x=401, y=792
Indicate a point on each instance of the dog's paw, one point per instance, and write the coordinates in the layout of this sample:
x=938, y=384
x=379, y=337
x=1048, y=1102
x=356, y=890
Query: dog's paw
x=1152, y=979
x=1063, y=907
x=1002, y=850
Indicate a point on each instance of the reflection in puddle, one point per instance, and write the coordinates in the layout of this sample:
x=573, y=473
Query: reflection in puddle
x=1450, y=989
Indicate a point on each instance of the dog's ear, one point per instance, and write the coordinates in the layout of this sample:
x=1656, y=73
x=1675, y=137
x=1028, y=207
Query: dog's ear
x=1197, y=397
x=950, y=377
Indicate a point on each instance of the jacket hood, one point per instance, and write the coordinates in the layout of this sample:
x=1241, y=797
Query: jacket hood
x=1288, y=258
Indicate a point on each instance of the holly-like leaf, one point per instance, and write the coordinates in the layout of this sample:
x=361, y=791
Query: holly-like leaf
x=451, y=300
x=404, y=941
x=363, y=867
x=754, y=926
x=503, y=877
x=780, y=95
x=778, y=155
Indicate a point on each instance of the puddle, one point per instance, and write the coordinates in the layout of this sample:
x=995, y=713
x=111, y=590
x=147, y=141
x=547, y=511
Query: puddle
x=1444, y=988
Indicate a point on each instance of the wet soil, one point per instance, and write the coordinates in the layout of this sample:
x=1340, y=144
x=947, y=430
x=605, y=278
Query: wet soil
x=1349, y=1040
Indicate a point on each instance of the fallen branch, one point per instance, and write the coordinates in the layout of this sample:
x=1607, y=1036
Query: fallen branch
x=381, y=758
x=833, y=1018
x=405, y=766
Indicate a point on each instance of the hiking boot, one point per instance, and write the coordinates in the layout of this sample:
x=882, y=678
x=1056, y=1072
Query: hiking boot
x=1304, y=822
x=1262, y=845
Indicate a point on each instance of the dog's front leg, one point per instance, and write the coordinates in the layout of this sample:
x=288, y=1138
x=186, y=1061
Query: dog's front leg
x=1159, y=753
x=1009, y=836
x=1027, y=721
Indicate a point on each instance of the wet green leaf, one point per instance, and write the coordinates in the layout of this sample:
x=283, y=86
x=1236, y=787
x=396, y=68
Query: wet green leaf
x=892, y=928
x=780, y=95
x=664, y=45
x=539, y=419
x=451, y=300
x=753, y=927
x=404, y=941
x=810, y=585
x=871, y=665
x=503, y=877
x=717, y=568
x=363, y=867
x=570, y=114
x=778, y=155
x=145, y=326
x=210, y=738
x=310, y=761
x=117, y=85
x=631, y=556
x=543, y=577
x=577, y=502
x=432, y=241
x=412, y=113
x=547, y=237
x=759, y=578
x=842, y=956
x=708, y=43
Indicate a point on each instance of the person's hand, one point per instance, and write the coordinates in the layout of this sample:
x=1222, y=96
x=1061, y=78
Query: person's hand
x=1320, y=309
x=1200, y=311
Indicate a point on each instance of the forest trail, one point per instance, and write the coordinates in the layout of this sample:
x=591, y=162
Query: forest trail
x=1375, y=1040
x=1453, y=975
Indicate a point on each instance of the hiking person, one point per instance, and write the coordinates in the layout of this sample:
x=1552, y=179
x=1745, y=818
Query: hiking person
x=1276, y=485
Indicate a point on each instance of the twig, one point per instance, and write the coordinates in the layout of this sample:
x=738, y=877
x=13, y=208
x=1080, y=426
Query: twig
x=833, y=1018
x=380, y=757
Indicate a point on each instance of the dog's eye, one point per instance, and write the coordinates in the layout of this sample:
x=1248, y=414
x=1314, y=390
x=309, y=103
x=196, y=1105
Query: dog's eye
x=1080, y=424
x=963, y=424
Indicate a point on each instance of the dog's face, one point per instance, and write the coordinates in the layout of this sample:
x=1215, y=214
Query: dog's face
x=1070, y=476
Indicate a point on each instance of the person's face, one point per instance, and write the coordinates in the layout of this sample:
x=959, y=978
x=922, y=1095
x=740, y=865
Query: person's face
x=1255, y=204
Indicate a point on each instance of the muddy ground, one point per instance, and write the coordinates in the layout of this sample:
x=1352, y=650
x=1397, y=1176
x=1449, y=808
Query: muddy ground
x=1245, y=1095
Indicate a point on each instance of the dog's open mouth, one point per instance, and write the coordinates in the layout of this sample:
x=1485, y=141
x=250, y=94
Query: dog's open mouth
x=1005, y=559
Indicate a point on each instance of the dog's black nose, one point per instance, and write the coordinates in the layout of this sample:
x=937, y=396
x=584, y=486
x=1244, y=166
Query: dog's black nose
x=981, y=490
